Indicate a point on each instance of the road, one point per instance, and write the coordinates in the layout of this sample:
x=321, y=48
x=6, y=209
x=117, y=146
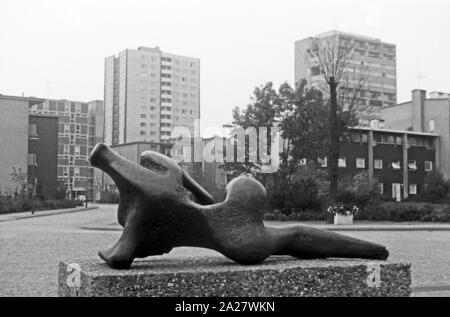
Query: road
x=31, y=248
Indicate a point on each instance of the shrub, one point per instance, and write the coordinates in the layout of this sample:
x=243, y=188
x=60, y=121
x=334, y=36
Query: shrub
x=12, y=205
x=299, y=196
x=306, y=215
x=436, y=188
x=442, y=215
x=359, y=199
x=381, y=211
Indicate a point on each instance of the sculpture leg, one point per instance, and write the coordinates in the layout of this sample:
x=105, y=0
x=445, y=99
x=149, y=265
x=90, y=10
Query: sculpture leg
x=310, y=243
x=121, y=254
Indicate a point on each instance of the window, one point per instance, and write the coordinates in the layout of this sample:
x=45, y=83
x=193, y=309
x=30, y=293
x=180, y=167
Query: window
x=428, y=166
x=412, y=166
x=32, y=159
x=322, y=162
x=413, y=189
x=77, y=150
x=381, y=188
x=143, y=116
x=143, y=133
x=32, y=129
x=66, y=149
x=303, y=162
x=143, y=124
x=360, y=163
x=342, y=162
x=76, y=172
x=396, y=165
x=431, y=126
x=378, y=164
x=67, y=128
x=364, y=138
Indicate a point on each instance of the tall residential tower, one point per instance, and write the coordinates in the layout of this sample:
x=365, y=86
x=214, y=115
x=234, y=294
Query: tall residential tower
x=373, y=59
x=149, y=92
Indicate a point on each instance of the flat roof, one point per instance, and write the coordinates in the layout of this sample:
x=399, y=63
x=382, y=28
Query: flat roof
x=31, y=100
x=142, y=142
x=395, y=131
x=353, y=35
x=40, y=115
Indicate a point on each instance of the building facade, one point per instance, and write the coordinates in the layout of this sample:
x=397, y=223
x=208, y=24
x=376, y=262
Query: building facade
x=28, y=148
x=13, y=139
x=398, y=161
x=43, y=155
x=423, y=114
x=372, y=65
x=80, y=128
x=149, y=92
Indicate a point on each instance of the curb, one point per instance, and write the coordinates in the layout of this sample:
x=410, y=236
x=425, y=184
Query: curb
x=390, y=229
x=58, y=212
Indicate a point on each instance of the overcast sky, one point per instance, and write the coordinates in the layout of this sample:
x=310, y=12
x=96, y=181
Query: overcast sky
x=56, y=48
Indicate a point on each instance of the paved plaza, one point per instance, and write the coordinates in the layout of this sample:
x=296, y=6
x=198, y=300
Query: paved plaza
x=30, y=250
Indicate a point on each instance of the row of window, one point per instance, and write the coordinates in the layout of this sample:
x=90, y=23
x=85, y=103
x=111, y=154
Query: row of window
x=377, y=164
x=396, y=187
x=176, y=61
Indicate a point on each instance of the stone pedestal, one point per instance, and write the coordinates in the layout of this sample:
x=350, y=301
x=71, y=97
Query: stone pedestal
x=218, y=276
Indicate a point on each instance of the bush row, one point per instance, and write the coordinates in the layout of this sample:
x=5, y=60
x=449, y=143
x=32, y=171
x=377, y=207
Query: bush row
x=307, y=215
x=377, y=210
x=12, y=205
x=405, y=211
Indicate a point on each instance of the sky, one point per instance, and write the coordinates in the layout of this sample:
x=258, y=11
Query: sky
x=56, y=48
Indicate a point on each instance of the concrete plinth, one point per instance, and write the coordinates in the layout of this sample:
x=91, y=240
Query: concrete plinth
x=218, y=276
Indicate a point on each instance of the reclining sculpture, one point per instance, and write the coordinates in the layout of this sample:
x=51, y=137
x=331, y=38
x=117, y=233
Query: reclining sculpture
x=158, y=214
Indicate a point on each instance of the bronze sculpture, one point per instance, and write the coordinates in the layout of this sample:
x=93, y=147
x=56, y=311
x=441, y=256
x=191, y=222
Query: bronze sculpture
x=157, y=214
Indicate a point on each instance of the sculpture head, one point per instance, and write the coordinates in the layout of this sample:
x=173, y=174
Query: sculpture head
x=156, y=174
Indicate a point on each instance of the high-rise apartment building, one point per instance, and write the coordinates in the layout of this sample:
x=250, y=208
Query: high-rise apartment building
x=80, y=128
x=149, y=92
x=372, y=62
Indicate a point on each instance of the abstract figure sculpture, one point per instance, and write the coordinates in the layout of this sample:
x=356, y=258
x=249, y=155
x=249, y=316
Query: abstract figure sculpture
x=158, y=214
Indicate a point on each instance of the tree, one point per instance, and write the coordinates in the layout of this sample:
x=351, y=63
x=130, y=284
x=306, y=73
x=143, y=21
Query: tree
x=333, y=57
x=262, y=112
x=303, y=127
x=20, y=179
x=300, y=113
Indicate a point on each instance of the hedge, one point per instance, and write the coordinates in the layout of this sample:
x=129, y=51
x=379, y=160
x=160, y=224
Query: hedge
x=12, y=205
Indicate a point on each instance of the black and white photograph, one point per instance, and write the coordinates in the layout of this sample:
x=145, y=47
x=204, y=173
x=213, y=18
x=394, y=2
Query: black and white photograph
x=224, y=156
